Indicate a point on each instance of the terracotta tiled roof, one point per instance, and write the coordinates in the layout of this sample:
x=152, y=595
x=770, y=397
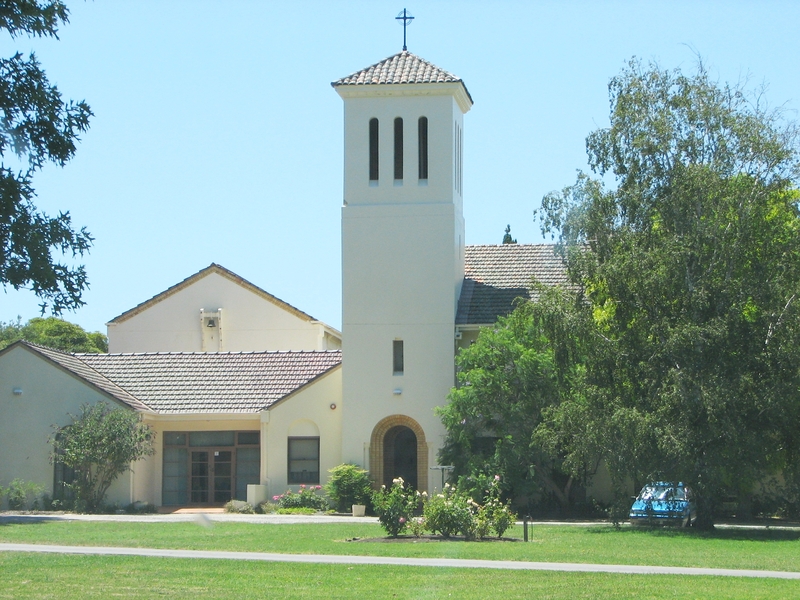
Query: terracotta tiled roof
x=494, y=276
x=403, y=67
x=80, y=369
x=220, y=270
x=224, y=382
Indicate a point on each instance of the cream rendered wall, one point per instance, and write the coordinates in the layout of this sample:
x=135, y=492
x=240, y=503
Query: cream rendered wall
x=148, y=479
x=402, y=264
x=249, y=322
x=49, y=396
x=306, y=413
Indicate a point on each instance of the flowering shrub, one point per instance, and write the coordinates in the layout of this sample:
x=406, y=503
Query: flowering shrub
x=452, y=511
x=307, y=497
x=497, y=515
x=417, y=526
x=449, y=513
x=394, y=506
x=502, y=518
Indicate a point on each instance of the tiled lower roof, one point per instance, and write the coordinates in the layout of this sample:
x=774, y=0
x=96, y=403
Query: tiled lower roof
x=206, y=382
x=495, y=276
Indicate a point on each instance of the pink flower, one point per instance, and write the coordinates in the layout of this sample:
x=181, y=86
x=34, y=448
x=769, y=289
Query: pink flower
x=302, y=486
x=497, y=477
x=276, y=498
x=319, y=487
x=402, y=519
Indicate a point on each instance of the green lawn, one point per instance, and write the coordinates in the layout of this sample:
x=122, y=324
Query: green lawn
x=66, y=576
x=735, y=549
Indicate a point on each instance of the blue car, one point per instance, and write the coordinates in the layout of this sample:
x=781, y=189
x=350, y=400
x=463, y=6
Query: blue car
x=662, y=502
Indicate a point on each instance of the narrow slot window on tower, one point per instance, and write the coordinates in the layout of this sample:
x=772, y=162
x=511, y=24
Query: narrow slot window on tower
x=422, y=128
x=398, y=148
x=373, y=149
x=397, y=357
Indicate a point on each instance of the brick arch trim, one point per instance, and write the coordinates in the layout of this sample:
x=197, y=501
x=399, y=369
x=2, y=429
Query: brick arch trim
x=376, y=449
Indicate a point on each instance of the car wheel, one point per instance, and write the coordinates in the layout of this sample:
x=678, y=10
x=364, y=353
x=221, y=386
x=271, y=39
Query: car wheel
x=687, y=521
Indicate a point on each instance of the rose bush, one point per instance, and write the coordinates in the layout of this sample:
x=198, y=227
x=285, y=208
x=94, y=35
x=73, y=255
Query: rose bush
x=307, y=497
x=394, y=506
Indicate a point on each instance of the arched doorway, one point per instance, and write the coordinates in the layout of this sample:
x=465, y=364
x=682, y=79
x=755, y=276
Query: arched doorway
x=398, y=449
x=400, y=456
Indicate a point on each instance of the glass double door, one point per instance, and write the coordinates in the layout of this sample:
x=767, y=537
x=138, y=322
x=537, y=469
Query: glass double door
x=211, y=480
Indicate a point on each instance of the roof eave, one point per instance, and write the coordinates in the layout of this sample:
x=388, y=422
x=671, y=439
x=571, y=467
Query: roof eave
x=213, y=268
x=456, y=89
x=144, y=409
x=204, y=416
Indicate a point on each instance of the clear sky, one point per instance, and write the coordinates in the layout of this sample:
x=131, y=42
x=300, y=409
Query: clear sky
x=217, y=136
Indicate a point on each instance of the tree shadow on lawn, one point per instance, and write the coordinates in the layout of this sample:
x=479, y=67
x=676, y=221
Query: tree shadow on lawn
x=765, y=534
x=27, y=519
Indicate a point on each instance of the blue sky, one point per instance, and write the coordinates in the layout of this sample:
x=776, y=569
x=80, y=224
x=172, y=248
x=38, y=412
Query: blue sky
x=217, y=136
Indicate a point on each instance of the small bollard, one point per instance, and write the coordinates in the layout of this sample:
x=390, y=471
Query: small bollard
x=525, y=528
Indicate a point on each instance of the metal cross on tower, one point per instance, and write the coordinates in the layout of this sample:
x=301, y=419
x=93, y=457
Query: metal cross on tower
x=406, y=18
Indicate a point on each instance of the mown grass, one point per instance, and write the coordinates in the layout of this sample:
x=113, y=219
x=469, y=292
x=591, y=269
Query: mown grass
x=777, y=550
x=26, y=575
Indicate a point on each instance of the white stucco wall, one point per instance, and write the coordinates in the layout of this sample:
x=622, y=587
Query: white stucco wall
x=49, y=396
x=250, y=322
x=306, y=413
x=402, y=263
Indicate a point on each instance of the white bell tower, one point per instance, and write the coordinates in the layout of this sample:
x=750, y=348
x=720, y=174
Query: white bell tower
x=402, y=262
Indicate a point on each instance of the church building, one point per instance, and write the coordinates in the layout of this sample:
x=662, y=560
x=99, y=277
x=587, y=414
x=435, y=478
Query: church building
x=250, y=396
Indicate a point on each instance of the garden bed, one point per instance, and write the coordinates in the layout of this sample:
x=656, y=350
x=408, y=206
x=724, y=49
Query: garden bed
x=430, y=538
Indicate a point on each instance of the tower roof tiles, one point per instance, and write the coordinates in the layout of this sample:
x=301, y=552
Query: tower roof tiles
x=401, y=68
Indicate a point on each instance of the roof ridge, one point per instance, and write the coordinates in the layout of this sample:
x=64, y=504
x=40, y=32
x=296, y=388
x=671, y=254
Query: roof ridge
x=510, y=245
x=196, y=353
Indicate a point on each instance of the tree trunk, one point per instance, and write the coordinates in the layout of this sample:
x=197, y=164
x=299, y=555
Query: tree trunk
x=705, y=514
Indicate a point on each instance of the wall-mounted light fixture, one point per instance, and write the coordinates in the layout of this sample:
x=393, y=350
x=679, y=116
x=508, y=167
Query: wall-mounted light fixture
x=333, y=406
x=17, y=391
x=397, y=391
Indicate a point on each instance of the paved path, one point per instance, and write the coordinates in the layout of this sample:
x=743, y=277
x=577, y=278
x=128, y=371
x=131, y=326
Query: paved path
x=205, y=517
x=197, y=516
x=388, y=560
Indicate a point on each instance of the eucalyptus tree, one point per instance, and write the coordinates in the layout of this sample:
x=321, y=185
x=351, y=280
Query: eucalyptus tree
x=685, y=245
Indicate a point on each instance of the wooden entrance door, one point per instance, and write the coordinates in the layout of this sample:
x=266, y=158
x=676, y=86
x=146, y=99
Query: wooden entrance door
x=211, y=476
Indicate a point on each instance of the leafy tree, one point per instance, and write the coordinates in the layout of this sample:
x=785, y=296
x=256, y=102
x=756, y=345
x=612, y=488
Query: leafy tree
x=53, y=333
x=508, y=378
x=99, y=445
x=507, y=239
x=37, y=127
x=690, y=270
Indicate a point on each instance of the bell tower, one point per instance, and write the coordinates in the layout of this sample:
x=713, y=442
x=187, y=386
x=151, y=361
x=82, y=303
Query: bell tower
x=402, y=261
